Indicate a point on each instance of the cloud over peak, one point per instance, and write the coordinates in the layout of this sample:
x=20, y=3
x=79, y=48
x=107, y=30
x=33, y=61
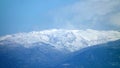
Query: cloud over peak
x=89, y=14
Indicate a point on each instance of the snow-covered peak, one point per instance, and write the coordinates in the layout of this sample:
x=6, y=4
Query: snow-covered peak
x=71, y=40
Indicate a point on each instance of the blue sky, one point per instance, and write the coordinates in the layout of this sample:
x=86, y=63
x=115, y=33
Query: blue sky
x=28, y=15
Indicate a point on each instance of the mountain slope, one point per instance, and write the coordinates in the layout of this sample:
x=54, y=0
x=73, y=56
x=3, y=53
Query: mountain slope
x=20, y=57
x=100, y=56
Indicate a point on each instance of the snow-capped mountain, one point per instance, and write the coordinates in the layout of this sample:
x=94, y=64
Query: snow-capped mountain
x=71, y=40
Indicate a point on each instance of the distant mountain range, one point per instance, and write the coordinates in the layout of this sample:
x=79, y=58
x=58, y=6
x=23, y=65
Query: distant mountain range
x=59, y=48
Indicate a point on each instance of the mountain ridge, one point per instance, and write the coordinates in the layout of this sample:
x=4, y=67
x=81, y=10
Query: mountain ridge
x=71, y=40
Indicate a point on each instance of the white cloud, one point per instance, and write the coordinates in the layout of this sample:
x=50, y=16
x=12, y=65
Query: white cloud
x=115, y=19
x=87, y=13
